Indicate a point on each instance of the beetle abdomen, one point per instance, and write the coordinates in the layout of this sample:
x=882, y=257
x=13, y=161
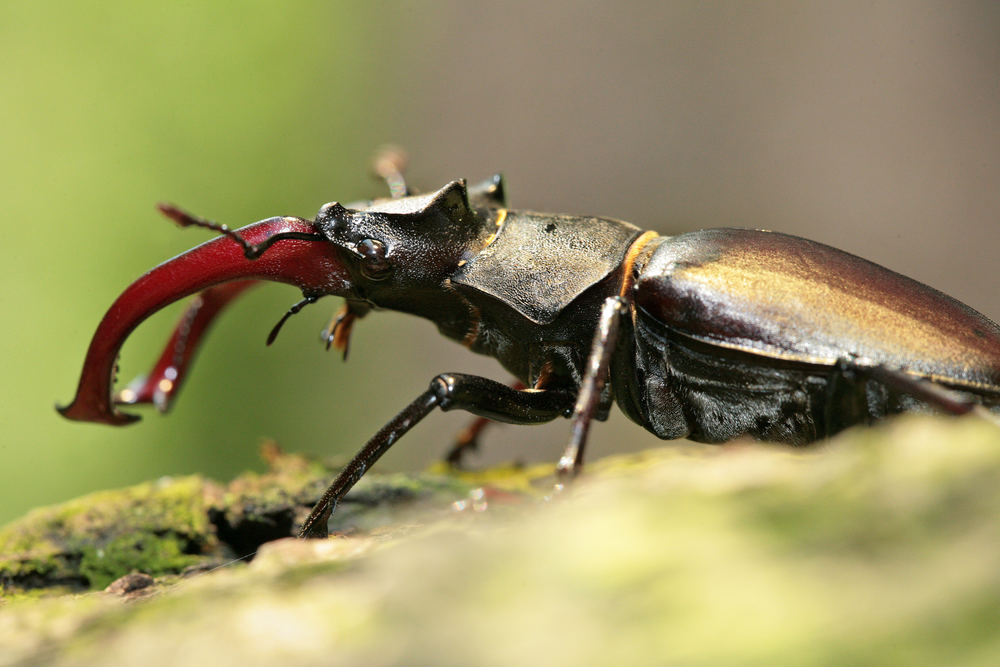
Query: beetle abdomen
x=785, y=297
x=711, y=394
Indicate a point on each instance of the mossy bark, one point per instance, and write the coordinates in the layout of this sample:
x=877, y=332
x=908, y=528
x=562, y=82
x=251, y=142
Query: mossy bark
x=187, y=524
x=880, y=546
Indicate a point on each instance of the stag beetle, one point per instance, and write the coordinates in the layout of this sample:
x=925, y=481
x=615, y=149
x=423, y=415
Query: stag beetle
x=707, y=335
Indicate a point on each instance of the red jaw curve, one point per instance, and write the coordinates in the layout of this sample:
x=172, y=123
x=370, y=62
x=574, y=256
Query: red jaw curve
x=159, y=387
x=311, y=265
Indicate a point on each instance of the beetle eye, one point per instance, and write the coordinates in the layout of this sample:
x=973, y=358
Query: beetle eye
x=374, y=264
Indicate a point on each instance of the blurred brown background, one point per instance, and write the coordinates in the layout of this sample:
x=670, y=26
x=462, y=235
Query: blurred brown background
x=870, y=126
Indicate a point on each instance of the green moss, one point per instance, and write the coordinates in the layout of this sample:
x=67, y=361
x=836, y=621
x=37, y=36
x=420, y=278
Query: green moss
x=166, y=526
x=156, y=527
x=139, y=551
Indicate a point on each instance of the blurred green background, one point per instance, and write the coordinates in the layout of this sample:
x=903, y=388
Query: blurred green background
x=872, y=127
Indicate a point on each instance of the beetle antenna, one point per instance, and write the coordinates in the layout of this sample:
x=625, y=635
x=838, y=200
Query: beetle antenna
x=291, y=311
x=389, y=164
x=250, y=250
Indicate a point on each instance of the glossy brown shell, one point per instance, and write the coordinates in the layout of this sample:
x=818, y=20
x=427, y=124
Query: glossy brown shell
x=785, y=297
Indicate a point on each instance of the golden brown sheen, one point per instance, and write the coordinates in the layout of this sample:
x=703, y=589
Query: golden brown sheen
x=785, y=297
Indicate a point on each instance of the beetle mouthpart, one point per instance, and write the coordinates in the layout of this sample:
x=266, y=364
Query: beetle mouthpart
x=301, y=257
x=338, y=331
x=161, y=384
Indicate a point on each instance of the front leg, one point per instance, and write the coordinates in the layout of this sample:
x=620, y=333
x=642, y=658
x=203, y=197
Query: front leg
x=448, y=391
x=595, y=377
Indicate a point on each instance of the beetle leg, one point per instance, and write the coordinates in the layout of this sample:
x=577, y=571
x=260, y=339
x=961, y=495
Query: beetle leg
x=449, y=391
x=595, y=377
x=931, y=393
x=467, y=439
x=315, y=524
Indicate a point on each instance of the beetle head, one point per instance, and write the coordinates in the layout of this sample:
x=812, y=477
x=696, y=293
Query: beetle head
x=392, y=253
x=399, y=249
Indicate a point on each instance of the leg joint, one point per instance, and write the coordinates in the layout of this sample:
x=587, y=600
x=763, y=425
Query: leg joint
x=496, y=401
